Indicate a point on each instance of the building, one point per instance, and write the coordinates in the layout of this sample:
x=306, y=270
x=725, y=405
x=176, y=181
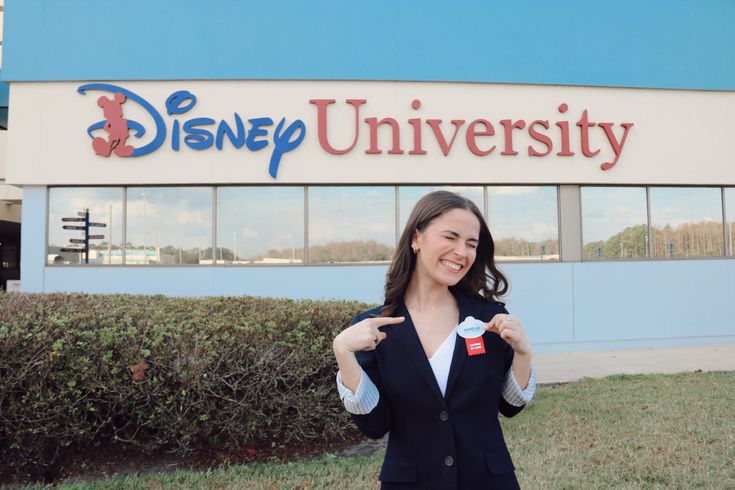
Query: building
x=10, y=196
x=276, y=149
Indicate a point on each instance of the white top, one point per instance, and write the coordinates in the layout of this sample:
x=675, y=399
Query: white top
x=366, y=397
x=442, y=360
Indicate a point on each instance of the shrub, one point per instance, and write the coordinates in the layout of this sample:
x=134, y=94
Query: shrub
x=80, y=371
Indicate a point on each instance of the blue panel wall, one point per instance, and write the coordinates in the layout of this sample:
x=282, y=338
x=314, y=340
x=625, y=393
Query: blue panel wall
x=362, y=283
x=681, y=298
x=33, y=238
x=564, y=307
x=656, y=43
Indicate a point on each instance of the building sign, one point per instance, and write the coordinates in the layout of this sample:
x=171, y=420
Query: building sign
x=222, y=132
x=199, y=133
x=475, y=131
x=202, y=133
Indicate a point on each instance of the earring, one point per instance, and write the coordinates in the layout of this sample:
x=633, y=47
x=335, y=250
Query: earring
x=415, y=249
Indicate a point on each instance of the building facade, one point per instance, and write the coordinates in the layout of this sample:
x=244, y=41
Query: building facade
x=238, y=148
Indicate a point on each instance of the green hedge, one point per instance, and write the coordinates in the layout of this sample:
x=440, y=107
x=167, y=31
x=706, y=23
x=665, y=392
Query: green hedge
x=223, y=372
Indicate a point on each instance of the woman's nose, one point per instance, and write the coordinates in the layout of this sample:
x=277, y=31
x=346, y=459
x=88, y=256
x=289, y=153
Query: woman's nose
x=460, y=249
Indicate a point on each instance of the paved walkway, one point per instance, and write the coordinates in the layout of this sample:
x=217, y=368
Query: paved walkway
x=563, y=367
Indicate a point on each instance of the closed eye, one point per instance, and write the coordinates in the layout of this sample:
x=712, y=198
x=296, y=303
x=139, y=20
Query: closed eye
x=450, y=235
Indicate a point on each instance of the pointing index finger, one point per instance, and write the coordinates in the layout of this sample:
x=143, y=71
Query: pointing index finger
x=388, y=320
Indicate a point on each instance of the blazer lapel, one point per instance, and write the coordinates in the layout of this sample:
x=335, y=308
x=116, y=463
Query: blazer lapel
x=409, y=339
x=460, y=348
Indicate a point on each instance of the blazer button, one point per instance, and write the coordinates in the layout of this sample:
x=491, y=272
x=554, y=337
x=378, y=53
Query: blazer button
x=443, y=415
x=449, y=461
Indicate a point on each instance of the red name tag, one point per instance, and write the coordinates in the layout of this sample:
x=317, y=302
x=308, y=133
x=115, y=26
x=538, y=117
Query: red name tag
x=475, y=346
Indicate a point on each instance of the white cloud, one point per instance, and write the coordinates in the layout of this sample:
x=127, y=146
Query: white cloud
x=534, y=231
x=187, y=217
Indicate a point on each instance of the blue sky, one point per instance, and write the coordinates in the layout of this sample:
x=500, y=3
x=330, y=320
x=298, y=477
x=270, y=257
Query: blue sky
x=257, y=219
x=607, y=211
x=528, y=212
x=66, y=202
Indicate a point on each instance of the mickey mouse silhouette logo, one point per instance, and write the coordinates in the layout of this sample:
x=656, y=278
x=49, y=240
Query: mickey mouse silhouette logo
x=197, y=133
x=116, y=127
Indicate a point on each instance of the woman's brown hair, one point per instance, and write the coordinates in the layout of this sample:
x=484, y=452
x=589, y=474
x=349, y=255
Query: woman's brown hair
x=482, y=281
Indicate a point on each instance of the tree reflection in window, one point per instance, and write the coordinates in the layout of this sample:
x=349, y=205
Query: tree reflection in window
x=614, y=223
x=686, y=222
x=524, y=222
x=351, y=224
x=730, y=220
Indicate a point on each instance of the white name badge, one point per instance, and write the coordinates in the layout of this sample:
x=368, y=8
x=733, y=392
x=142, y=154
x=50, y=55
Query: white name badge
x=471, y=328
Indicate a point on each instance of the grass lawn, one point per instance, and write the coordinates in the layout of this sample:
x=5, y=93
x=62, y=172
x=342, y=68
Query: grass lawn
x=643, y=431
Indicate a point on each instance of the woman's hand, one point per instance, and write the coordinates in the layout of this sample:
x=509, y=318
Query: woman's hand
x=363, y=335
x=509, y=328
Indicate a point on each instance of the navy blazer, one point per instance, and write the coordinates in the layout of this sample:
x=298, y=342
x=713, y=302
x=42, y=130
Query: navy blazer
x=443, y=442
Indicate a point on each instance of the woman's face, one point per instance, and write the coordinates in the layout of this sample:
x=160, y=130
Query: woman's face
x=447, y=247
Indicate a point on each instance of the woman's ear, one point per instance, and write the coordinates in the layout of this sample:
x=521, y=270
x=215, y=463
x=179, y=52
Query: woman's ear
x=415, y=242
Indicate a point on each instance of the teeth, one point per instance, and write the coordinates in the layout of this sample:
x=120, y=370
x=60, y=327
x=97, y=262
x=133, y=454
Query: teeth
x=452, y=265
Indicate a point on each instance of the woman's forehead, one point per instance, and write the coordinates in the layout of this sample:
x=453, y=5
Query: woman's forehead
x=459, y=220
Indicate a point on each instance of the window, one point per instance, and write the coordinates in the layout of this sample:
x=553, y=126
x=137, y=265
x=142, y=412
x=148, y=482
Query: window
x=614, y=223
x=686, y=222
x=266, y=225
x=260, y=225
x=729, y=193
x=169, y=225
x=67, y=206
x=524, y=222
x=351, y=224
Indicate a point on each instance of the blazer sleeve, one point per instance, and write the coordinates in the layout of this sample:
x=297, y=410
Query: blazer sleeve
x=377, y=423
x=504, y=407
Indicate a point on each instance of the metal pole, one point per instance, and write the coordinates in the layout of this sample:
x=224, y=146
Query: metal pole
x=109, y=239
x=145, y=231
x=86, y=236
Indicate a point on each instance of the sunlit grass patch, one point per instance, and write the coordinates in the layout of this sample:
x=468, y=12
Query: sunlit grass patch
x=629, y=432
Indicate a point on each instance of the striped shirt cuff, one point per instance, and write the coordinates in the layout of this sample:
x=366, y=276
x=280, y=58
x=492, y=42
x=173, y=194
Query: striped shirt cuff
x=362, y=401
x=512, y=392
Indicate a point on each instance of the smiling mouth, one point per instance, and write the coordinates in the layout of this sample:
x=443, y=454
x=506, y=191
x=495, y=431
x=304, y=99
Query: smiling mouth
x=451, y=265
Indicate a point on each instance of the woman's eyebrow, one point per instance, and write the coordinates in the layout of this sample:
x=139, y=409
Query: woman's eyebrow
x=455, y=234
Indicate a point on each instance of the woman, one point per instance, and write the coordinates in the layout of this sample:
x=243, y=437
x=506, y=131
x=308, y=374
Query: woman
x=404, y=369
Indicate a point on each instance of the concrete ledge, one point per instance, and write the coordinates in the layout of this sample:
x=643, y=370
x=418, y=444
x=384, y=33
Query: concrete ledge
x=569, y=366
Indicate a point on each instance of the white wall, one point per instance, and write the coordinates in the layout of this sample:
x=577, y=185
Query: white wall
x=678, y=137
